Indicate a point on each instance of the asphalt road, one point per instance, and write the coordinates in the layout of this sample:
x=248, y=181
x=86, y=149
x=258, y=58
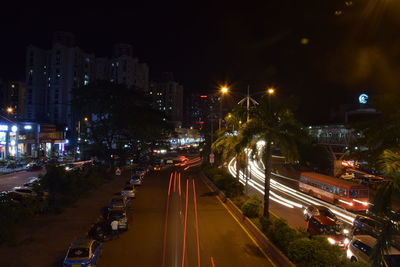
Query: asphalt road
x=8, y=181
x=177, y=221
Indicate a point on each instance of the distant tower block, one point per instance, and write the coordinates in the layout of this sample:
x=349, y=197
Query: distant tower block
x=122, y=50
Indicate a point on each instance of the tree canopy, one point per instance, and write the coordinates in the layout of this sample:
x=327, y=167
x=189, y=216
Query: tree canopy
x=111, y=116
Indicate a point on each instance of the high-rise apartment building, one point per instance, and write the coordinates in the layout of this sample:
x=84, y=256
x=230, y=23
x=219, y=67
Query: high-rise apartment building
x=50, y=77
x=126, y=69
x=168, y=98
x=201, y=110
x=52, y=74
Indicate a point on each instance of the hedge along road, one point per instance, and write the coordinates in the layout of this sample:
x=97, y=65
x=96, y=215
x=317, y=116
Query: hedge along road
x=177, y=221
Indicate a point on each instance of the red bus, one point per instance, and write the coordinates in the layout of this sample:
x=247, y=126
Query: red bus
x=342, y=193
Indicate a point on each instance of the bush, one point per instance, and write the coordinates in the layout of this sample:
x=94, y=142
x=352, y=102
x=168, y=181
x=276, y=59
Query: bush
x=228, y=184
x=224, y=181
x=265, y=224
x=315, y=252
x=251, y=207
x=282, y=234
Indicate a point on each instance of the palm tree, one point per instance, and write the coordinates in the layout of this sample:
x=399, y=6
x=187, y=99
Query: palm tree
x=276, y=126
x=390, y=164
x=229, y=143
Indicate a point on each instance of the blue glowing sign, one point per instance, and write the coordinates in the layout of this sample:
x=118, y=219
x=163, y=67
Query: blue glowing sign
x=363, y=99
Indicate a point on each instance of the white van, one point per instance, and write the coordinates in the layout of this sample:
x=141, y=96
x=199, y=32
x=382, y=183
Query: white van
x=360, y=249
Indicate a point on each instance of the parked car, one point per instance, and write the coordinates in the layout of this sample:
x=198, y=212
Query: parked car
x=24, y=191
x=100, y=231
x=129, y=191
x=32, y=182
x=119, y=215
x=347, y=176
x=139, y=171
x=322, y=225
x=136, y=180
x=83, y=253
x=118, y=202
x=360, y=249
x=364, y=225
x=313, y=210
x=33, y=166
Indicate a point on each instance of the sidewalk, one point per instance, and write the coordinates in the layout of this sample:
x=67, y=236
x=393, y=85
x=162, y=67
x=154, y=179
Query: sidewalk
x=45, y=240
x=11, y=170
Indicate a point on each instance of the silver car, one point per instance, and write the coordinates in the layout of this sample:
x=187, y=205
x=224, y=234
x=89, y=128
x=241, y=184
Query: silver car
x=129, y=191
x=119, y=215
x=118, y=202
x=360, y=249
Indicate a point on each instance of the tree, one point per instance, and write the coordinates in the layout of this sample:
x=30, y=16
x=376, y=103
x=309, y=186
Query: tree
x=276, y=126
x=115, y=116
x=390, y=164
x=229, y=143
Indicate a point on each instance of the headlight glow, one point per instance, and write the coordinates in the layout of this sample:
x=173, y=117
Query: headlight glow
x=346, y=231
x=346, y=241
x=331, y=241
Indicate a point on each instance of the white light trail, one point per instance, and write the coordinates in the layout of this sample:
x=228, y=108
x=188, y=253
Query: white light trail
x=258, y=174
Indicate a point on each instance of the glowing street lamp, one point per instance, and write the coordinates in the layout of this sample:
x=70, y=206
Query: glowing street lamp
x=271, y=91
x=10, y=110
x=86, y=119
x=224, y=90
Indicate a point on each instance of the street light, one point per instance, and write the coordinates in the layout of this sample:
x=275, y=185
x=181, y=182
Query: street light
x=86, y=119
x=10, y=110
x=270, y=92
x=224, y=90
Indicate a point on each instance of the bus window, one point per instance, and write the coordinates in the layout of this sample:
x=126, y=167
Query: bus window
x=353, y=193
x=342, y=192
x=363, y=193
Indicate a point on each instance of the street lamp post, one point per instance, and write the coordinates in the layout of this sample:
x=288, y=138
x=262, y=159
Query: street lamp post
x=270, y=92
x=223, y=90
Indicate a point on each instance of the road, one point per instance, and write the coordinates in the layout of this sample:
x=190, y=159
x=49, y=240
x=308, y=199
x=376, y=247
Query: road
x=178, y=221
x=285, y=199
x=8, y=181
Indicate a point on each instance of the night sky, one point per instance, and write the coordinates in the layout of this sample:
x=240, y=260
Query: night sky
x=324, y=53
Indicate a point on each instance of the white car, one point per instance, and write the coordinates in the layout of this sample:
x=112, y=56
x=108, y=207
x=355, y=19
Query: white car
x=360, y=248
x=347, y=176
x=136, y=180
x=129, y=191
x=31, y=182
x=24, y=191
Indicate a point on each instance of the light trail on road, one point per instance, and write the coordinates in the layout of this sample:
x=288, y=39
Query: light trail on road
x=166, y=222
x=281, y=193
x=196, y=224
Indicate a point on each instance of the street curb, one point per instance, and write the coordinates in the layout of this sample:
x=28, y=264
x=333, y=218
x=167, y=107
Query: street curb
x=5, y=173
x=262, y=241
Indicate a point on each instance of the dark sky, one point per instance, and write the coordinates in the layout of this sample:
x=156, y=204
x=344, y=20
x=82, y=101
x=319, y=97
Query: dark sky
x=248, y=42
